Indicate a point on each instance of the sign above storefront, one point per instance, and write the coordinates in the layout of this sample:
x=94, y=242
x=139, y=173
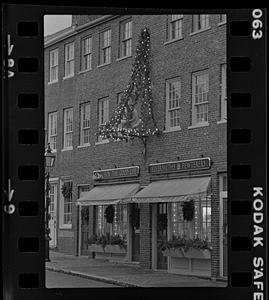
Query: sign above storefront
x=116, y=173
x=181, y=166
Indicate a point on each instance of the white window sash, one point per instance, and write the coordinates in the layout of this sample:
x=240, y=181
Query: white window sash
x=69, y=59
x=83, y=120
x=169, y=110
x=223, y=92
x=53, y=65
x=68, y=128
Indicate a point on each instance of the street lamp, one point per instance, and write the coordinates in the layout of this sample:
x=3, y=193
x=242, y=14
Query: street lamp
x=49, y=163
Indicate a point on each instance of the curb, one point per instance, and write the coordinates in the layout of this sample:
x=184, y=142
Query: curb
x=93, y=277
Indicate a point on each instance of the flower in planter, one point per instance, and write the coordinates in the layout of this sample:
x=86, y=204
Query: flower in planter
x=92, y=239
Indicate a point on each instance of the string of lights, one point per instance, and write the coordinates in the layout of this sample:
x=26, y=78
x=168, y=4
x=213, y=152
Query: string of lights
x=123, y=125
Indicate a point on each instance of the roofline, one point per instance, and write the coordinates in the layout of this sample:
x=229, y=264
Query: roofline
x=76, y=29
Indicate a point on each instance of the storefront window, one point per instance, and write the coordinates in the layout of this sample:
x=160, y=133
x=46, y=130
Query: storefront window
x=197, y=226
x=119, y=225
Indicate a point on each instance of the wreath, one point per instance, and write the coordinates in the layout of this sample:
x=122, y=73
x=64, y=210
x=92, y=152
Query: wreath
x=109, y=213
x=67, y=190
x=188, y=210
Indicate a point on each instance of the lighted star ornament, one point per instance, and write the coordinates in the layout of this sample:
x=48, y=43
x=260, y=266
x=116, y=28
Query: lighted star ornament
x=134, y=115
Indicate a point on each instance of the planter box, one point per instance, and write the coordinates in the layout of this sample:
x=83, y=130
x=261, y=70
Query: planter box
x=198, y=253
x=115, y=249
x=95, y=248
x=173, y=252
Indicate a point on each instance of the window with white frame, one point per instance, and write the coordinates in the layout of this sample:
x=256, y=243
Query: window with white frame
x=126, y=38
x=67, y=207
x=85, y=124
x=53, y=200
x=53, y=65
x=173, y=109
x=200, y=89
x=52, y=130
x=69, y=62
x=103, y=113
x=86, y=54
x=68, y=128
x=105, y=47
x=200, y=22
x=223, y=92
x=223, y=18
x=175, y=27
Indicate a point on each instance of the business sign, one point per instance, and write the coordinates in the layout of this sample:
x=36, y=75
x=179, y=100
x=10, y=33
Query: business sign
x=180, y=166
x=116, y=173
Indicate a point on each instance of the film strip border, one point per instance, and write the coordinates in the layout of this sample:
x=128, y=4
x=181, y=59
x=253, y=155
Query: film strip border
x=23, y=145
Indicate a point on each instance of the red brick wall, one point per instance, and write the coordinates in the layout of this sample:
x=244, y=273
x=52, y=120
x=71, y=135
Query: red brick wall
x=205, y=50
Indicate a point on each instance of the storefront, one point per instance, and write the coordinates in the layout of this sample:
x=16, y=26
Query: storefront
x=181, y=216
x=115, y=228
x=177, y=204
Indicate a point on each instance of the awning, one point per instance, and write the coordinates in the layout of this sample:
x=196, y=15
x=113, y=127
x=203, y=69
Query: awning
x=109, y=194
x=174, y=190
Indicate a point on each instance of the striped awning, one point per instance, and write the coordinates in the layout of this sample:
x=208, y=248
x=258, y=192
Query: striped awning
x=109, y=194
x=174, y=190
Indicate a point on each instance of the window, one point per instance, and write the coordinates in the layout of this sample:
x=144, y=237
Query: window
x=223, y=18
x=175, y=27
x=173, y=109
x=86, y=59
x=119, y=97
x=223, y=92
x=68, y=128
x=52, y=131
x=105, y=47
x=119, y=225
x=67, y=209
x=200, y=22
x=53, y=65
x=126, y=38
x=53, y=198
x=85, y=124
x=69, y=60
x=103, y=113
x=199, y=226
x=200, y=87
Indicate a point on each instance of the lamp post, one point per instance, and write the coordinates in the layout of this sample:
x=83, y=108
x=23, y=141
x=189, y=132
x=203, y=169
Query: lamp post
x=49, y=163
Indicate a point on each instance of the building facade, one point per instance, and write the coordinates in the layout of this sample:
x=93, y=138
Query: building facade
x=87, y=69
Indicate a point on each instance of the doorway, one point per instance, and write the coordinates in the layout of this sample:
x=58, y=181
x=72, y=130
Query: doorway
x=135, y=227
x=161, y=234
x=53, y=215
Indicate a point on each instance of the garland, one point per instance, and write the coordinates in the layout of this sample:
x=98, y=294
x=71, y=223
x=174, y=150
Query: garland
x=109, y=213
x=85, y=214
x=188, y=210
x=67, y=190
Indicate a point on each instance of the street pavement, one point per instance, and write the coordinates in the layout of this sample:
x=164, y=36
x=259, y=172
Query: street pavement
x=123, y=275
x=61, y=280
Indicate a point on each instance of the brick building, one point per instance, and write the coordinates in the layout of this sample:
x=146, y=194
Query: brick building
x=87, y=68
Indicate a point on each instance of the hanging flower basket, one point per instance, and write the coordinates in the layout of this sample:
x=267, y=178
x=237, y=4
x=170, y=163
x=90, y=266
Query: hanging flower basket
x=188, y=210
x=109, y=213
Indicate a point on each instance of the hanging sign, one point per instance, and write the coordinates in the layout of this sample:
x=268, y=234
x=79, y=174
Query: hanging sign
x=116, y=173
x=180, y=166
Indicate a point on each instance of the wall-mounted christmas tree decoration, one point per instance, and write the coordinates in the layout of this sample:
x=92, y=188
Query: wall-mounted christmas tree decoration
x=134, y=115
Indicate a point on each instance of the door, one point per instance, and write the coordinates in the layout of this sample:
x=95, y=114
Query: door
x=53, y=215
x=135, y=225
x=223, y=233
x=225, y=238
x=161, y=234
x=84, y=230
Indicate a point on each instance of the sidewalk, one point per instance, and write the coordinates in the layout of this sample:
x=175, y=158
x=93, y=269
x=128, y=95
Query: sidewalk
x=122, y=275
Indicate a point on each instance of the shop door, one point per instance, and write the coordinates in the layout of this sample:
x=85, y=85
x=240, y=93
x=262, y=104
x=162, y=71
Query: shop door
x=225, y=238
x=84, y=230
x=135, y=219
x=161, y=234
x=53, y=216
